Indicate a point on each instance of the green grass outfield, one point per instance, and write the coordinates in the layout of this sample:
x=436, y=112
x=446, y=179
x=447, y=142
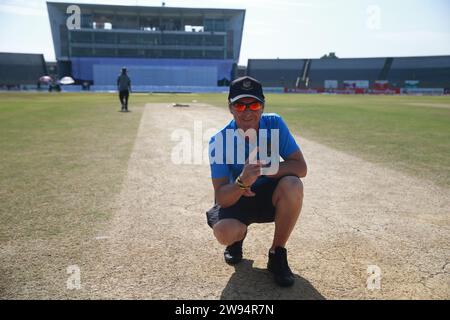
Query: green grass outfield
x=64, y=155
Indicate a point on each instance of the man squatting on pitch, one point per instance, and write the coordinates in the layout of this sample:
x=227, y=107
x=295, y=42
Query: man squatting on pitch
x=248, y=191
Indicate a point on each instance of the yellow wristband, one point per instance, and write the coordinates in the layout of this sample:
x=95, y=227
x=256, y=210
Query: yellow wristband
x=241, y=184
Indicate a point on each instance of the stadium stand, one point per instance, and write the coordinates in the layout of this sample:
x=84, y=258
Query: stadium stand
x=344, y=69
x=21, y=69
x=160, y=46
x=303, y=75
x=276, y=72
x=431, y=71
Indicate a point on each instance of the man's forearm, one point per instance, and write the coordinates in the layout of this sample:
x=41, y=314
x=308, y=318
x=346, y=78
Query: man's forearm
x=290, y=168
x=228, y=195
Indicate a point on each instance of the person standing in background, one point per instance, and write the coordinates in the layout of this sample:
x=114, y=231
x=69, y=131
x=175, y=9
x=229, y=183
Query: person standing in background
x=124, y=88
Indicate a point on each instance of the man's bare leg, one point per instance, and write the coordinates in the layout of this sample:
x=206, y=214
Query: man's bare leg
x=287, y=199
x=231, y=233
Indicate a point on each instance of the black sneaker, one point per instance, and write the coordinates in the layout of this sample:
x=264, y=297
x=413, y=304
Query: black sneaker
x=233, y=253
x=278, y=265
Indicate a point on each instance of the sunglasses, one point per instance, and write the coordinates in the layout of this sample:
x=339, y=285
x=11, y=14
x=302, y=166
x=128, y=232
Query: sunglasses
x=254, y=106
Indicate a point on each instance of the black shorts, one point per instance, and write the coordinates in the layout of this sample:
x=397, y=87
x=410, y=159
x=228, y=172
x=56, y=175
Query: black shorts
x=248, y=210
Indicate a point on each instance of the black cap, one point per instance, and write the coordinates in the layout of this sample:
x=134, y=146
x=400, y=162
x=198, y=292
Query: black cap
x=245, y=87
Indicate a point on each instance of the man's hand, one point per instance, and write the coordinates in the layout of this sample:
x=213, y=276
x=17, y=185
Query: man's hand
x=251, y=172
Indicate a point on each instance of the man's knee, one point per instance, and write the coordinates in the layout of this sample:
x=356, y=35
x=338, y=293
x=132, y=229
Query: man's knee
x=289, y=188
x=223, y=234
x=226, y=232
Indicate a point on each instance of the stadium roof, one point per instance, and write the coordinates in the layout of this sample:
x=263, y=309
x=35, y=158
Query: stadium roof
x=111, y=8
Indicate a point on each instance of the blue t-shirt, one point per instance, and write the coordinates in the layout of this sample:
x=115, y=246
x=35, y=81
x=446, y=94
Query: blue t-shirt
x=222, y=165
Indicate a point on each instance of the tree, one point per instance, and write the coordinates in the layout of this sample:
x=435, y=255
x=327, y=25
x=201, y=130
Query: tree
x=331, y=55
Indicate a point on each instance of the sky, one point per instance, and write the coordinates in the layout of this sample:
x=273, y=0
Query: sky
x=278, y=29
